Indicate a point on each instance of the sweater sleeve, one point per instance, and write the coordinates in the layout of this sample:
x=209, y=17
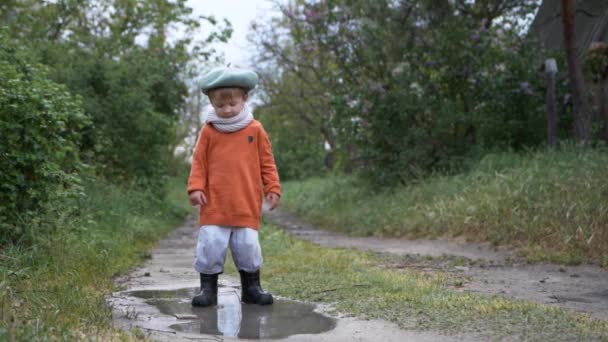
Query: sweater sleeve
x=198, y=172
x=270, y=175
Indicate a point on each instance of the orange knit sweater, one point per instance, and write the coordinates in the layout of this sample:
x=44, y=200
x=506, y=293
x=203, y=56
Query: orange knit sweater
x=234, y=170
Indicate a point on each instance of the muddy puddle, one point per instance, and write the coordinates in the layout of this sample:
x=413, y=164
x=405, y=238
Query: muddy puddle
x=231, y=318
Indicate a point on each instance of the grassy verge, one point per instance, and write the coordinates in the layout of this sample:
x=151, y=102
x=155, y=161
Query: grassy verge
x=355, y=284
x=550, y=205
x=54, y=289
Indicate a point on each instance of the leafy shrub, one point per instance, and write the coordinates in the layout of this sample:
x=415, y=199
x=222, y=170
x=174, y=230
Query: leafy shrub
x=298, y=151
x=40, y=132
x=133, y=103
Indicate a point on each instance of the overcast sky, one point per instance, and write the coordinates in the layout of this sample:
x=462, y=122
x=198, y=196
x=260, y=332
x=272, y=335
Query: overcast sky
x=240, y=13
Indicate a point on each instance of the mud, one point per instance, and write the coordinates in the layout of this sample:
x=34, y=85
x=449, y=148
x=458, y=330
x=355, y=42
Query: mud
x=480, y=268
x=154, y=301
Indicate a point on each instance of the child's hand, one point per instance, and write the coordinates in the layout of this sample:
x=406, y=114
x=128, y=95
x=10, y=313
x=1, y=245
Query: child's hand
x=197, y=198
x=272, y=199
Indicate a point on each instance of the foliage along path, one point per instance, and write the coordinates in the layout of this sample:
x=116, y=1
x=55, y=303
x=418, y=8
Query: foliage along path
x=475, y=267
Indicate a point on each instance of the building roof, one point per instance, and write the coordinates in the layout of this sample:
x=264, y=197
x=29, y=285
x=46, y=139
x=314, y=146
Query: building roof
x=591, y=24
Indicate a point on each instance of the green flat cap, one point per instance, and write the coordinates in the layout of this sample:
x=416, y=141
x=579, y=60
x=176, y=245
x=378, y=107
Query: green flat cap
x=228, y=77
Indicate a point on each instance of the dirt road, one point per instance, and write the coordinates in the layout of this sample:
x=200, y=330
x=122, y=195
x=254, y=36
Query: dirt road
x=155, y=303
x=483, y=269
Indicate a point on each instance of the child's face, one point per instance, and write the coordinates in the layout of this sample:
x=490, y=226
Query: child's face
x=228, y=102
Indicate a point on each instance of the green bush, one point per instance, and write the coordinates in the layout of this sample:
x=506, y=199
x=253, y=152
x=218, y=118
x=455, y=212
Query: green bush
x=298, y=152
x=40, y=132
x=460, y=95
x=133, y=103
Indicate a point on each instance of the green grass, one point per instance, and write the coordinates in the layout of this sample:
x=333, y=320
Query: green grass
x=549, y=205
x=54, y=289
x=356, y=285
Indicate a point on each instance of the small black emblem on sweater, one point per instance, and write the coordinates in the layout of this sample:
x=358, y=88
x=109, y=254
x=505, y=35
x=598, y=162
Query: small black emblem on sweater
x=250, y=138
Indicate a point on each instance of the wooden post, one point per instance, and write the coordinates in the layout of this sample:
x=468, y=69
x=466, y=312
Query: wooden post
x=550, y=72
x=603, y=105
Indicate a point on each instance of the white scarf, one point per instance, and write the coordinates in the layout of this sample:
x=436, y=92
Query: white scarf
x=232, y=124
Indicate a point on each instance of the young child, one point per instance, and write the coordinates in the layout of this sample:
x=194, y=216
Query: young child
x=233, y=169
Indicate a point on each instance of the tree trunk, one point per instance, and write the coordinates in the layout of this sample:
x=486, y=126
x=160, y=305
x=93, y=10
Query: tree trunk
x=577, y=86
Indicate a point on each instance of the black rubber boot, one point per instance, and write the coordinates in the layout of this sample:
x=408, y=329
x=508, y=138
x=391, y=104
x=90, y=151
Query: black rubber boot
x=208, y=294
x=252, y=292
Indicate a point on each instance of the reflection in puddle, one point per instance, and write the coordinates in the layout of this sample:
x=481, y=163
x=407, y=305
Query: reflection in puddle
x=233, y=319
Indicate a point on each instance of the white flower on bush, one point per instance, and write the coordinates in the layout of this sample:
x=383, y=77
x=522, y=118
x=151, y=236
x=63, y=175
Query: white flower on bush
x=501, y=67
x=398, y=70
x=416, y=89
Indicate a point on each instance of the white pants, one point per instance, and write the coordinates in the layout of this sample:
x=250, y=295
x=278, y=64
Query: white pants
x=213, y=242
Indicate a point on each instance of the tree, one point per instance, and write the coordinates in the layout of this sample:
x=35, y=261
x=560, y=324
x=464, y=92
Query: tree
x=115, y=53
x=405, y=87
x=579, y=104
